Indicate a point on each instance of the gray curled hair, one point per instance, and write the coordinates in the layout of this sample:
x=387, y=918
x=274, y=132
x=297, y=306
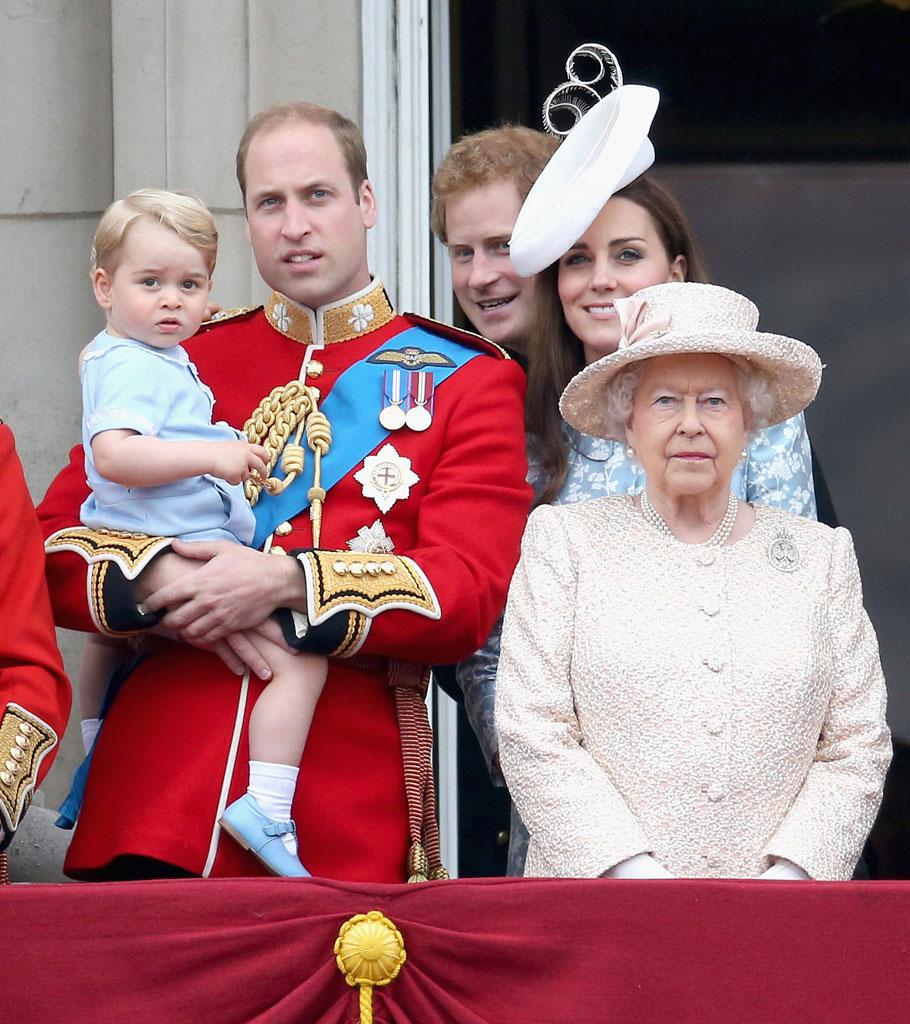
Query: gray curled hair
x=755, y=393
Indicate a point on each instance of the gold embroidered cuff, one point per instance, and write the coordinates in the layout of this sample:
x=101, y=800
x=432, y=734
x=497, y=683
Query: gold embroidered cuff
x=24, y=740
x=368, y=584
x=131, y=551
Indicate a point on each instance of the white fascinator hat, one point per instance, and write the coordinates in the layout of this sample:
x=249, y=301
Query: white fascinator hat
x=607, y=149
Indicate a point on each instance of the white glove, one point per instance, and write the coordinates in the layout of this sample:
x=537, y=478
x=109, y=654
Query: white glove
x=642, y=865
x=783, y=870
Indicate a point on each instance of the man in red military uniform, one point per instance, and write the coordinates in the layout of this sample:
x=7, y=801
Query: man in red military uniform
x=34, y=691
x=402, y=517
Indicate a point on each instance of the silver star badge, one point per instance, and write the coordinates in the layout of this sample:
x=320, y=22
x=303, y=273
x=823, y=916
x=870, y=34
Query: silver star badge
x=372, y=540
x=386, y=477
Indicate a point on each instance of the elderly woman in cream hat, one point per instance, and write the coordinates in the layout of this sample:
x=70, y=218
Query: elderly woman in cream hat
x=689, y=685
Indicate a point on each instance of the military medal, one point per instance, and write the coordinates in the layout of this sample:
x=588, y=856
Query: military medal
x=783, y=554
x=386, y=477
x=420, y=392
x=392, y=416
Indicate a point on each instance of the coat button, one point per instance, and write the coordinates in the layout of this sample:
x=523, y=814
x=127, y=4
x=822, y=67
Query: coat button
x=705, y=557
x=276, y=549
x=314, y=368
x=714, y=664
x=714, y=726
x=710, y=606
x=715, y=794
x=283, y=529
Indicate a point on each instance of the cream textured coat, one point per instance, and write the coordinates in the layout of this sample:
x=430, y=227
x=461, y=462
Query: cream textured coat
x=702, y=704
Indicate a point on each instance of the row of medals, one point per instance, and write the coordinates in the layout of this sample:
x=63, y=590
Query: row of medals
x=410, y=408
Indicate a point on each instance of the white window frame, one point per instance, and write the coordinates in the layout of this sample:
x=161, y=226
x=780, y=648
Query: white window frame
x=407, y=128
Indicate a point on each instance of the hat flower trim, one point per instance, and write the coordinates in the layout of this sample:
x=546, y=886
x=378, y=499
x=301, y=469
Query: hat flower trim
x=633, y=322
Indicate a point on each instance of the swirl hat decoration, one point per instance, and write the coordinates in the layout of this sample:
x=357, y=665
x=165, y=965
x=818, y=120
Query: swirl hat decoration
x=606, y=149
x=681, y=317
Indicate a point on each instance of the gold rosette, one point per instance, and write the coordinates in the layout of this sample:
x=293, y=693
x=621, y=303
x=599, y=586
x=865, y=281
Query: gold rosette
x=369, y=952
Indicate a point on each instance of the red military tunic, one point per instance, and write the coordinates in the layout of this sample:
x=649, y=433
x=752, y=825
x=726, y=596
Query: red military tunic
x=34, y=691
x=173, y=750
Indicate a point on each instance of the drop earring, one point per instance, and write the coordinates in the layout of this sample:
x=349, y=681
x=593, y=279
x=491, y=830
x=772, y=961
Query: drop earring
x=630, y=452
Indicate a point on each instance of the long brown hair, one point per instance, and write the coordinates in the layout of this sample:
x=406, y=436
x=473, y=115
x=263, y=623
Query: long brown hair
x=555, y=354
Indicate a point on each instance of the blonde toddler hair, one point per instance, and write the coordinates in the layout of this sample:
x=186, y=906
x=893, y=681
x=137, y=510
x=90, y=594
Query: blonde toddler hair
x=182, y=212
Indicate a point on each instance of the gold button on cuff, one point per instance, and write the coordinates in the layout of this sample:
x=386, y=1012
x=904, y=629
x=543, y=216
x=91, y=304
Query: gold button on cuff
x=340, y=567
x=314, y=368
x=25, y=728
x=388, y=568
x=21, y=741
x=6, y=778
x=12, y=766
x=16, y=753
x=283, y=529
x=373, y=568
x=357, y=569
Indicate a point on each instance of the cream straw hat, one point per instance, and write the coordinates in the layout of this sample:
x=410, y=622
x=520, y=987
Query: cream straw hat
x=668, y=319
x=606, y=150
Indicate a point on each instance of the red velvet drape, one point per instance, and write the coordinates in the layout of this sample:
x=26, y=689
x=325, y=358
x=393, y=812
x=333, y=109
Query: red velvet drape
x=478, y=952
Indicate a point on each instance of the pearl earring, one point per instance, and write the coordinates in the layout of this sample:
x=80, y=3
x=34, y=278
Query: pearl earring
x=630, y=452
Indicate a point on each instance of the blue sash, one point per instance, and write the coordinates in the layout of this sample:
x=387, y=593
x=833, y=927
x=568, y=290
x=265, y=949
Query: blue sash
x=353, y=407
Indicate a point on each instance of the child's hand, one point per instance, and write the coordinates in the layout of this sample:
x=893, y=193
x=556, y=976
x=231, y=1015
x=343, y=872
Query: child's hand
x=236, y=461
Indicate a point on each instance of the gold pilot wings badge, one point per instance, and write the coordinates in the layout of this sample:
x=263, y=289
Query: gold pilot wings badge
x=410, y=357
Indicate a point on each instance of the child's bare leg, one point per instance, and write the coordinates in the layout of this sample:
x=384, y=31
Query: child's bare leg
x=101, y=655
x=280, y=722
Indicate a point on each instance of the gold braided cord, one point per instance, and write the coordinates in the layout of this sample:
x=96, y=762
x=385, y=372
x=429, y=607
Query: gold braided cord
x=366, y=1003
x=286, y=411
x=319, y=438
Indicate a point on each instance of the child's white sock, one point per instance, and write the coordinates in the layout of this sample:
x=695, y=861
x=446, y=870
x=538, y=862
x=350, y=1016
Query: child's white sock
x=272, y=787
x=90, y=727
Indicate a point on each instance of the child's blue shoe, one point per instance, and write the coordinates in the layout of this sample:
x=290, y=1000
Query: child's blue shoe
x=245, y=822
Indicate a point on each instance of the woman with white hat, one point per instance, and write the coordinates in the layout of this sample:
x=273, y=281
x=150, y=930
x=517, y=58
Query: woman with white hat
x=597, y=229
x=689, y=685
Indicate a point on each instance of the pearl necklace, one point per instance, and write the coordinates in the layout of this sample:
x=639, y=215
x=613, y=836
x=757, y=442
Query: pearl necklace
x=717, y=539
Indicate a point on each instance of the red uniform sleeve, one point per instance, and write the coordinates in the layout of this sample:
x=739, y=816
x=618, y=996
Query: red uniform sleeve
x=35, y=693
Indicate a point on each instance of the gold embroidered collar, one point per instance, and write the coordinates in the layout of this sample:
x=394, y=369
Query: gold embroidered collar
x=365, y=311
